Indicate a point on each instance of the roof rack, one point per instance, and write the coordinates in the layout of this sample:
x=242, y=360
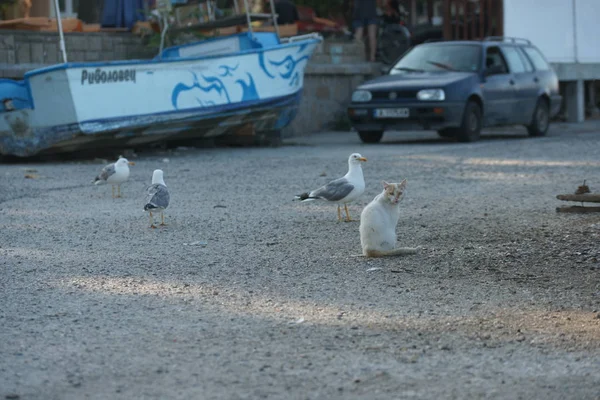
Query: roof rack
x=434, y=40
x=505, y=39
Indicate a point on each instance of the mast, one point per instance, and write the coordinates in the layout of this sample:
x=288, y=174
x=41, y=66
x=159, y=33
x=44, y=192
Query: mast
x=63, y=48
x=163, y=7
x=248, y=20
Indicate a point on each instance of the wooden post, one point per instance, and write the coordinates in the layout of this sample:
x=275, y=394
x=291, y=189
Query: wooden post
x=481, y=19
x=413, y=11
x=500, y=13
x=430, y=11
x=586, y=197
x=466, y=24
x=455, y=36
x=592, y=198
x=473, y=21
x=447, y=20
x=489, y=17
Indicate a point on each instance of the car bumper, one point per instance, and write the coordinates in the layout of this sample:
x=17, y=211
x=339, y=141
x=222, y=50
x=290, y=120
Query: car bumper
x=435, y=115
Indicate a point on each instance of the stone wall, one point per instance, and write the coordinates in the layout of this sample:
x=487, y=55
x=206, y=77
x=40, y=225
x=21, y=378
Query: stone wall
x=333, y=72
x=335, y=69
x=327, y=92
x=21, y=51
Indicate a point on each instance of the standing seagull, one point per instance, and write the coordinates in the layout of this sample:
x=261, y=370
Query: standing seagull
x=157, y=197
x=342, y=190
x=115, y=173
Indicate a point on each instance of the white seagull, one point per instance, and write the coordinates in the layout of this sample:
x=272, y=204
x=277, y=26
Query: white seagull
x=157, y=197
x=115, y=173
x=342, y=190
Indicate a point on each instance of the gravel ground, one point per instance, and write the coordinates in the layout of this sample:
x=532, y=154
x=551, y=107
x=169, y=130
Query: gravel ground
x=247, y=294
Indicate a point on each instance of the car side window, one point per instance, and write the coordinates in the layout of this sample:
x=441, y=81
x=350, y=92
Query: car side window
x=539, y=62
x=525, y=59
x=515, y=63
x=494, y=60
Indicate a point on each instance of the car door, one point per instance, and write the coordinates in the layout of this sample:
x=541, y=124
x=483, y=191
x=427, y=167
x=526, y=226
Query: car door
x=526, y=85
x=497, y=89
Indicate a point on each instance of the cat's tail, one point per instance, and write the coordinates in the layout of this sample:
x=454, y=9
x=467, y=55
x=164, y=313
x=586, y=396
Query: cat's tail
x=400, y=251
x=304, y=197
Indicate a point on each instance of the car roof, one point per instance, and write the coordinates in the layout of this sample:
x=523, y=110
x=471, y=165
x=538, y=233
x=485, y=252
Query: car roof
x=483, y=42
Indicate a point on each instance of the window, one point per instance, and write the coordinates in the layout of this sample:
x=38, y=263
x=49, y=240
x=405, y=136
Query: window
x=494, y=59
x=515, y=63
x=536, y=58
x=526, y=62
x=68, y=8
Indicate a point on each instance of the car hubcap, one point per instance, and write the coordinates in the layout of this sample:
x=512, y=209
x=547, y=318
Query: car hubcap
x=473, y=121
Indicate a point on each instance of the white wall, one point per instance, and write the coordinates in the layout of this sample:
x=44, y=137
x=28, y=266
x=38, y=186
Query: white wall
x=588, y=30
x=549, y=24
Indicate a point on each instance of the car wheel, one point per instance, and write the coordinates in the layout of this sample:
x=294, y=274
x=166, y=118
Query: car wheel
x=447, y=132
x=470, y=128
x=370, y=136
x=540, y=120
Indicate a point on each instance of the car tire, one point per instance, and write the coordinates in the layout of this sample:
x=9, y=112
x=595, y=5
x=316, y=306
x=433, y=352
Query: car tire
x=540, y=121
x=447, y=133
x=470, y=129
x=370, y=136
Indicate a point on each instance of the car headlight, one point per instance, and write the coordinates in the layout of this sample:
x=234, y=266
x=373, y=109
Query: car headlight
x=431, y=95
x=361, y=96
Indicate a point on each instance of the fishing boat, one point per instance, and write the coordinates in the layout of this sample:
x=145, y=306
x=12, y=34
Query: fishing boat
x=200, y=89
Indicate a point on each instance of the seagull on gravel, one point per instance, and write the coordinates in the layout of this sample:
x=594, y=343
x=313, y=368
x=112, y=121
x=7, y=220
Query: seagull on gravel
x=115, y=173
x=342, y=190
x=157, y=197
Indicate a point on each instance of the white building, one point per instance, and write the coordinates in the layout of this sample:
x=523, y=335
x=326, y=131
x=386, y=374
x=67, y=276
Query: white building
x=568, y=33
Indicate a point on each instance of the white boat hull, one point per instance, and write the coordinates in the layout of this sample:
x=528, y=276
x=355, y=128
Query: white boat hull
x=189, y=87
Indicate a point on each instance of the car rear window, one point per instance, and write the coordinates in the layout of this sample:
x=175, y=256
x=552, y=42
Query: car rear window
x=536, y=58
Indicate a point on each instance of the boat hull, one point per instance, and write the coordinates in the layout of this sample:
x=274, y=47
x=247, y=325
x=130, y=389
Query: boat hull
x=184, y=93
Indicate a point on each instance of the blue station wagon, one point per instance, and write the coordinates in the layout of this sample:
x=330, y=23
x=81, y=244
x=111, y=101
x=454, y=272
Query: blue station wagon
x=458, y=88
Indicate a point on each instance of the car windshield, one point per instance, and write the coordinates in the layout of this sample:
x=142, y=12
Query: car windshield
x=447, y=57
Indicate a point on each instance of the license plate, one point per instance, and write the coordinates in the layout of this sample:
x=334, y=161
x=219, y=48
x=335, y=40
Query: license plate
x=391, y=113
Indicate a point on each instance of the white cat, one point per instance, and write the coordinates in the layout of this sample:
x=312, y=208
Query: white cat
x=378, y=223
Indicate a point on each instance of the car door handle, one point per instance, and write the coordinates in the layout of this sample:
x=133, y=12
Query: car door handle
x=536, y=80
x=511, y=82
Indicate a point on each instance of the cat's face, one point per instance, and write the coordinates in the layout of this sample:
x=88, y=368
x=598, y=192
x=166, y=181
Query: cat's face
x=394, y=191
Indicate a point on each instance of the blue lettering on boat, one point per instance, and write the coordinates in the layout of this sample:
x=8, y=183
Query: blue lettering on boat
x=99, y=76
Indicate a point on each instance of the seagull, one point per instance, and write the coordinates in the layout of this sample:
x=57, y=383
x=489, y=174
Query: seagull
x=342, y=190
x=115, y=173
x=157, y=197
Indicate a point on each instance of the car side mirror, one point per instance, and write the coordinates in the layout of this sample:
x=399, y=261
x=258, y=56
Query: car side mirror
x=494, y=70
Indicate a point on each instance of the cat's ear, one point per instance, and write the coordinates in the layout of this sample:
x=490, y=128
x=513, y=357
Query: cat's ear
x=402, y=184
x=385, y=184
